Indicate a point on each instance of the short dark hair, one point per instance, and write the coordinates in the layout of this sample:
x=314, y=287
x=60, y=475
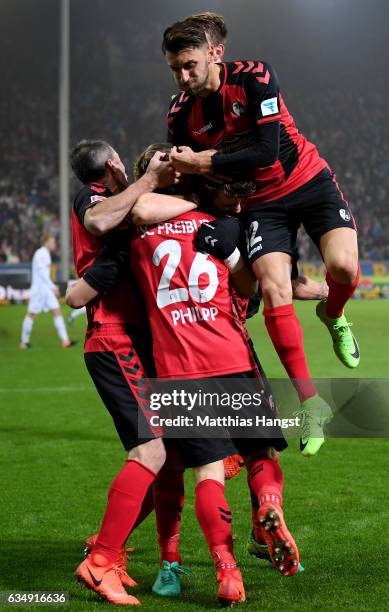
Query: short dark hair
x=88, y=159
x=212, y=24
x=183, y=35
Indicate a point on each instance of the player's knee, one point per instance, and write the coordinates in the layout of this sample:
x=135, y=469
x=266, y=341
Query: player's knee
x=152, y=454
x=276, y=293
x=344, y=269
x=211, y=471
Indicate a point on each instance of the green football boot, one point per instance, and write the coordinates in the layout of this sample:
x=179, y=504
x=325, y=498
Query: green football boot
x=345, y=345
x=167, y=583
x=314, y=414
x=257, y=549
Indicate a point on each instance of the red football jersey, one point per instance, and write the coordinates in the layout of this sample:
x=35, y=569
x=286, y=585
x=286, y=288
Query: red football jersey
x=196, y=332
x=123, y=303
x=229, y=118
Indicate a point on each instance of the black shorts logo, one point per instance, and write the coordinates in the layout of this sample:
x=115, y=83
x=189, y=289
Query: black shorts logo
x=345, y=214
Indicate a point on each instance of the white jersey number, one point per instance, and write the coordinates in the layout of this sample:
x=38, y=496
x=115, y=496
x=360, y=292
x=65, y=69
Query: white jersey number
x=251, y=236
x=200, y=265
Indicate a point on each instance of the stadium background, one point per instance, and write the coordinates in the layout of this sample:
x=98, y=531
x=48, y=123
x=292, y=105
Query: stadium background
x=58, y=447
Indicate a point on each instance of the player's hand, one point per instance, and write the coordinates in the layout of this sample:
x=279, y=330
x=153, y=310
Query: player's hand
x=188, y=162
x=219, y=238
x=162, y=171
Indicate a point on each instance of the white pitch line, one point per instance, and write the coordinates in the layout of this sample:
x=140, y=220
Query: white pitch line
x=46, y=390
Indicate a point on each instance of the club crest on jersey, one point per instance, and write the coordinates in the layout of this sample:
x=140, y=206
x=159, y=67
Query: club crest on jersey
x=345, y=214
x=238, y=109
x=269, y=107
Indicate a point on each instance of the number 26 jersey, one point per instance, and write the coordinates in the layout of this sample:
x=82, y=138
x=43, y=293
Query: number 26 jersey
x=196, y=332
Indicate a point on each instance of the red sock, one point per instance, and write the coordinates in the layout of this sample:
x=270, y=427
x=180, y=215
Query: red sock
x=339, y=294
x=125, y=499
x=214, y=517
x=146, y=509
x=257, y=529
x=169, y=503
x=286, y=334
x=266, y=483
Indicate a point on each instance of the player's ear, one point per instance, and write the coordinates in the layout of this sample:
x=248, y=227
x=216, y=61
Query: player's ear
x=218, y=53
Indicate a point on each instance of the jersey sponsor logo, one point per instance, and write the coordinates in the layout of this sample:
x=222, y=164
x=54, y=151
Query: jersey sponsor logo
x=202, y=130
x=238, y=109
x=345, y=214
x=96, y=198
x=269, y=107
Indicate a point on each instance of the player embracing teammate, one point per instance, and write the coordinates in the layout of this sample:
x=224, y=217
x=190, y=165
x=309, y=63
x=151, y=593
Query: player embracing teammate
x=230, y=119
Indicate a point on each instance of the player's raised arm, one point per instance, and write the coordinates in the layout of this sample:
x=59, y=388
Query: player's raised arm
x=98, y=165
x=153, y=208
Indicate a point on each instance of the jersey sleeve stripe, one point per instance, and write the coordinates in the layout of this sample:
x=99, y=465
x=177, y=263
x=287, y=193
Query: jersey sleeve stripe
x=269, y=119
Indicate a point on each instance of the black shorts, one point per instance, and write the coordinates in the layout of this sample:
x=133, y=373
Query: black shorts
x=195, y=452
x=319, y=205
x=198, y=451
x=116, y=358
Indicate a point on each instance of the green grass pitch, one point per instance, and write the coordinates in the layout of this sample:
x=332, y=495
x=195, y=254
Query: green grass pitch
x=59, y=453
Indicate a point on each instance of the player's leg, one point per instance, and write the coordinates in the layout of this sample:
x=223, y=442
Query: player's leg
x=60, y=326
x=339, y=249
x=273, y=273
x=271, y=247
x=118, y=376
x=27, y=326
x=169, y=503
x=329, y=222
x=145, y=511
x=215, y=519
x=169, y=497
x=205, y=457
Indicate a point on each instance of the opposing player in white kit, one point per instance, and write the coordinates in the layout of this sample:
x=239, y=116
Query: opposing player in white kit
x=43, y=295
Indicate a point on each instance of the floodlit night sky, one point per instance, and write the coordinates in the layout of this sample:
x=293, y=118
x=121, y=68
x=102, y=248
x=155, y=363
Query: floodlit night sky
x=313, y=39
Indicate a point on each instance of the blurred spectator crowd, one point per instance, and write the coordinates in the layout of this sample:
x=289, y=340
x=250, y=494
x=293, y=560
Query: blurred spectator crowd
x=350, y=131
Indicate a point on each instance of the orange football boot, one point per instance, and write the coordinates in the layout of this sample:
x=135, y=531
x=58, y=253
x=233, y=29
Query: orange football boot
x=231, y=588
x=103, y=578
x=232, y=466
x=282, y=548
x=125, y=578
